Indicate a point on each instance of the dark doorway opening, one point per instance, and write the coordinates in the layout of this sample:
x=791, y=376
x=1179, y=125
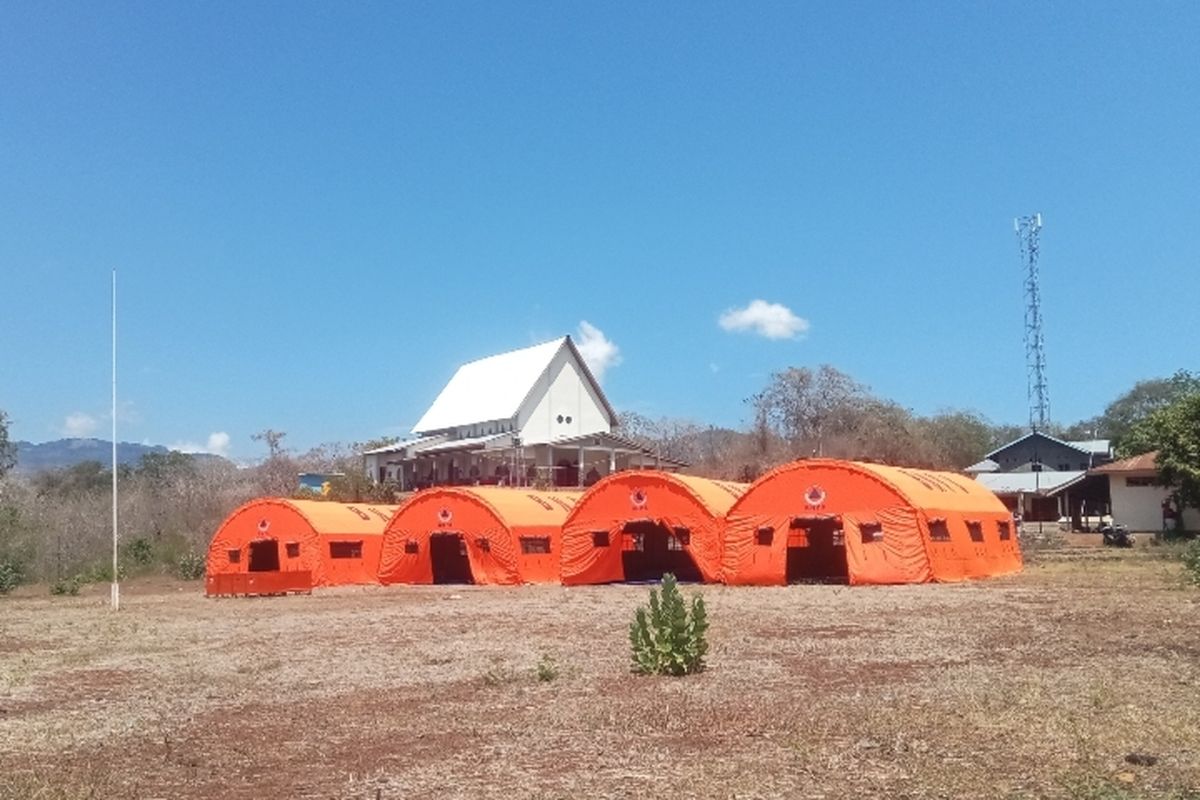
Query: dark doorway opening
x=816, y=551
x=448, y=552
x=264, y=556
x=651, y=550
x=567, y=474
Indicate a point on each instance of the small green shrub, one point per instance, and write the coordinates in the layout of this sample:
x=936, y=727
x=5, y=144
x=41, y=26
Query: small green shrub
x=190, y=566
x=667, y=639
x=547, y=668
x=67, y=586
x=11, y=576
x=138, y=552
x=499, y=675
x=101, y=572
x=1191, y=561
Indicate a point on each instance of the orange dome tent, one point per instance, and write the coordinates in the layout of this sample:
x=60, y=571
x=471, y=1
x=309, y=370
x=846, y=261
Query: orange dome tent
x=270, y=546
x=638, y=525
x=476, y=534
x=866, y=524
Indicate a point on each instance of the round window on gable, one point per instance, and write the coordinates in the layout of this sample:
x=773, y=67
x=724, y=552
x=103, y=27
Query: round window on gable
x=568, y=420
x=560, y=418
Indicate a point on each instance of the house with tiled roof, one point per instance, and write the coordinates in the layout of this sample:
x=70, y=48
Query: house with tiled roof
x=1139, y=500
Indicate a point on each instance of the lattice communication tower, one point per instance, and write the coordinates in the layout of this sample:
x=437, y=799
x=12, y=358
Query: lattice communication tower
x=1028, y=229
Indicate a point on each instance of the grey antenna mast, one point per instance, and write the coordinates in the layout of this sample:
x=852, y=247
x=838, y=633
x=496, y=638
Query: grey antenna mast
x=1027, y=229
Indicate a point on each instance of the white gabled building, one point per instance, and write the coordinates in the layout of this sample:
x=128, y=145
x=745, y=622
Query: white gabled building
x=535, y=415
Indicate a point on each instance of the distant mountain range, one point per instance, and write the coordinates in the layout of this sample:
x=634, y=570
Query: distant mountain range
x=62, y=453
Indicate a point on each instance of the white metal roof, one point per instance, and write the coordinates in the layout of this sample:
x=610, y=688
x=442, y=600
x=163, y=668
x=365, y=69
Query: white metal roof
x=489, y=442
x=413, y=445
x=1099, y=447
x=987, y=465
x=491, y=388
x=1044, y=482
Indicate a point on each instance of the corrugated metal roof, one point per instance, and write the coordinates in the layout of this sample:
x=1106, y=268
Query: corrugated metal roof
x=411, y=444
x=1044, y=482
x=471, y=443
x=987, y=465
x=1098, y=447
x=615, y=442
x=1146, y=462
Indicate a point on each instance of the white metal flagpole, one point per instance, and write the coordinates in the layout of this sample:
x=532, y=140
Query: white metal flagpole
x=116, y=586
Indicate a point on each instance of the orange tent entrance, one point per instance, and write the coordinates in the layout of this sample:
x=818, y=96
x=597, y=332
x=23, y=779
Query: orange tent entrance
x=476, y=534
x=270, y=546
x=638, y=525
x=857, y=523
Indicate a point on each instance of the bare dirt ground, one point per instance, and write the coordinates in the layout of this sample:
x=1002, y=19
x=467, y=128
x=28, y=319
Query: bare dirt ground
x=1038, y=685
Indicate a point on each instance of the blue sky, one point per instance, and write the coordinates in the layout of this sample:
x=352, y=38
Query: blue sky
x=318, y=211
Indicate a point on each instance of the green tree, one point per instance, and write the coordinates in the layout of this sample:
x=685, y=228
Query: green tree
x=1174, y=431
x=1139, y=403
x=161, y=468
x=82, y=479
x=959, y=437
x=8, y=449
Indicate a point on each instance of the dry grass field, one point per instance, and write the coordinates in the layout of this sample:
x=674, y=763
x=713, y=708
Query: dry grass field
x=1039, y=685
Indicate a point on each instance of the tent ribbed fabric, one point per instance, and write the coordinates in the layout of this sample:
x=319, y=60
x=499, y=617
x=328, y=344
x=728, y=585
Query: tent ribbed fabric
x=899, y=525
x=676, y=502
x=303, y=532
x=510, y=535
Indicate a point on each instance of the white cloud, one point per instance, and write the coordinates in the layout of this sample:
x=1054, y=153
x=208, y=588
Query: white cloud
x=217, y=444
x=769, y=320
x=78, y=425
x=598, y=351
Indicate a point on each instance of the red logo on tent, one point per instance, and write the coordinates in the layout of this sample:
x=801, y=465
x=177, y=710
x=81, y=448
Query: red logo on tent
x=444, y=516
x=815, y=496
x=263, y=525
x=638, y=498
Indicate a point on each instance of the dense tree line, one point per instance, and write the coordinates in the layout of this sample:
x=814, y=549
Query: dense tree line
x=57, y=524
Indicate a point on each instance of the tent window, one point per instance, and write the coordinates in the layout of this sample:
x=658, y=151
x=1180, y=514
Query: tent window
x=674, y=545
x=293, y=549
x=1005, y=531
x=764, y=536
x=683, y=536
x=235, y=556
x=871, y=532
x=345, y=549
x=532, y=545
x=975, y=528
x=411, y=546
x=483, y=544
x=839, y=538
x=938, y=530
x=599, y=538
